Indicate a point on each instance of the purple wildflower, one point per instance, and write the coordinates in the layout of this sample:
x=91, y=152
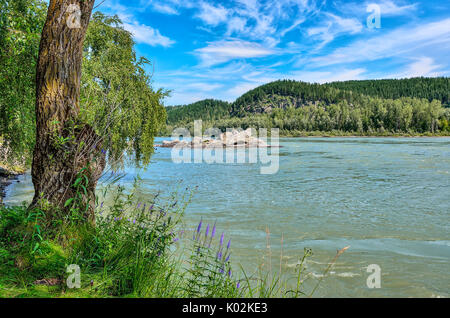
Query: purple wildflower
x=176, y=239
x=228, y=258
x=213, y=231
x=229, y=273
x=238, y=285
x=199, y=226
x=229, y=244
x=207, y=231
x=221, y=239
x=219, y=255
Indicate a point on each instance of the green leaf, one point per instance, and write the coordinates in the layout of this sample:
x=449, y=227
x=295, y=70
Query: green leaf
x=68, y=202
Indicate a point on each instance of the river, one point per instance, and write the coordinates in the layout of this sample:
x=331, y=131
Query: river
x=386, y=198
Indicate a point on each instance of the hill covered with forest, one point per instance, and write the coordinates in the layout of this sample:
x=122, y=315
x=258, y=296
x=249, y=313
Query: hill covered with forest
x=208, y=109
x=369, y=107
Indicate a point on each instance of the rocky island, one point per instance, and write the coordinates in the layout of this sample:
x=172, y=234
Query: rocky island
x=234, y=138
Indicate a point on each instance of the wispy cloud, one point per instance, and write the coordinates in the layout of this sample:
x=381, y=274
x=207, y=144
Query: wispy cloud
x=164, y=8
x=334, y=27
x=232, y=46
x=147, y=35
x=226, y=50
x=422, y=66
x=212, y=15
x=388, y=8
x=394, y=43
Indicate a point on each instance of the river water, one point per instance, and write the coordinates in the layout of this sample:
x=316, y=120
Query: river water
x=386, y=198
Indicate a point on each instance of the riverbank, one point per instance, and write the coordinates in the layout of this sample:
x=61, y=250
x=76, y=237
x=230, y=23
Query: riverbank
x=322, y=134
x=7, y=176
x=325, y=134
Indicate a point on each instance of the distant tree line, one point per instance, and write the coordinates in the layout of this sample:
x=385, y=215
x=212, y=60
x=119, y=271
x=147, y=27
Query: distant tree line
x=420, y=87
x=298, y=106
x=209, y=109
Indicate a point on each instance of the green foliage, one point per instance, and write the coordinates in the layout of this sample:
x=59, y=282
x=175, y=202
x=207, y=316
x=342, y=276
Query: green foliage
x=208, y=109
x=21, y=22
x=210, y=273
x=135, y=250
x=420, y=87
x=285, y=94
x=297, y=107
x=117, y=97
x=78, y=205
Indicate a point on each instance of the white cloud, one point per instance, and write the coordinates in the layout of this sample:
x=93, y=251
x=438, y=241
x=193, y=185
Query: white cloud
x=328, y=76
x=236, y=25
x=204, y=87
x=239, y=90
x=423, y=66
x=335, y=26
x=164, y=8
x=395, y=43
x=148, y=35
x=212, y=15
x=388, y=7
x=227, y=50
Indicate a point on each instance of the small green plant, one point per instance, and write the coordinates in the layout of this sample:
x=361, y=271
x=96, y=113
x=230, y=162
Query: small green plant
x=78, y=205
x=36, y=219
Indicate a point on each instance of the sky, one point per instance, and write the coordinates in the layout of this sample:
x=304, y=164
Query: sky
x=221, y=49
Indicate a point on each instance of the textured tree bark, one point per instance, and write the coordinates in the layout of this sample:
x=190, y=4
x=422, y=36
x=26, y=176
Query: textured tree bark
x=63, y=145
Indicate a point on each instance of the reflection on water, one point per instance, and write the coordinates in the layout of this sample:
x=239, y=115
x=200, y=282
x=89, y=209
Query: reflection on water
x=388, y=198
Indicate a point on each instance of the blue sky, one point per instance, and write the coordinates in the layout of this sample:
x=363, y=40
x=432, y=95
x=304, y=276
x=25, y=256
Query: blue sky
x=221, y=49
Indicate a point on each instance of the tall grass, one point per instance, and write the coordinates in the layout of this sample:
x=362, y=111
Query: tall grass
x=133, y=250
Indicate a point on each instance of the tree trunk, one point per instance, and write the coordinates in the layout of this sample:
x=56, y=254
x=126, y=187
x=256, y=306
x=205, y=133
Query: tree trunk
x=63, y=145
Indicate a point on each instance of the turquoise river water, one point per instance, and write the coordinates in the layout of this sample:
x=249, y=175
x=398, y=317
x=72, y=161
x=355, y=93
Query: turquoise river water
x=386, y=198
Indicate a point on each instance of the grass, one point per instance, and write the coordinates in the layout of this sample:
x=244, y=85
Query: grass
x=132, y=251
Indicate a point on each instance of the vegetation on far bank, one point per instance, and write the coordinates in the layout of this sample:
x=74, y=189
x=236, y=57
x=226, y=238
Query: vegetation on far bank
x=298, y=108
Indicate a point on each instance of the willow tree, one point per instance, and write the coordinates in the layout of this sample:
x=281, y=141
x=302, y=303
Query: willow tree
x=21, y=23
x=82, y=120
x=62, y=145
x=117, y=98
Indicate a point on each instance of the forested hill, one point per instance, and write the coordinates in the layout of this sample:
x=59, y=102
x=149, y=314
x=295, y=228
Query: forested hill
x=287, y=93
x=378, y=107
x=419, y=87
x=208, y=109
